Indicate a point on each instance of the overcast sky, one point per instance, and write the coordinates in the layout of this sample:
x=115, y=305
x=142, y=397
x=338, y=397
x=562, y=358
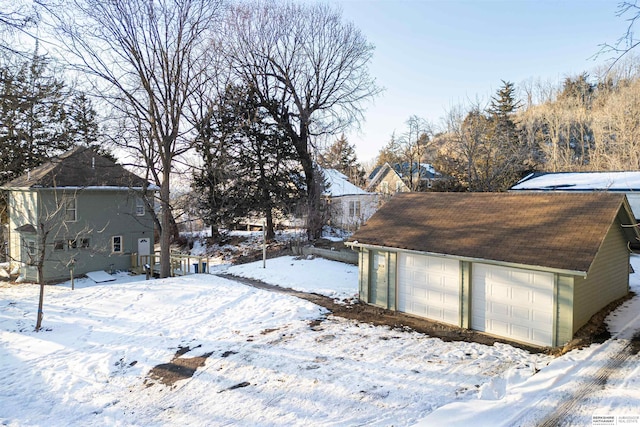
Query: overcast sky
x=432, y=55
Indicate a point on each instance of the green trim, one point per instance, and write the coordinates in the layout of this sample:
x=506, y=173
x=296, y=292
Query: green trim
x=471, y=259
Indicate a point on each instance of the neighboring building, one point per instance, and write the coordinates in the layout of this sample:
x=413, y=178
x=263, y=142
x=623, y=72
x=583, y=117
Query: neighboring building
x=532, y=267
x=82, y=210
x=620, y=182
x=386, y=181
x=398, y=178
x=349, y=205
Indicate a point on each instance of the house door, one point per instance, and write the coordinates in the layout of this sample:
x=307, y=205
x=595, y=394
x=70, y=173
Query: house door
x=28, y=254
x=379, y=287
x=144, y=248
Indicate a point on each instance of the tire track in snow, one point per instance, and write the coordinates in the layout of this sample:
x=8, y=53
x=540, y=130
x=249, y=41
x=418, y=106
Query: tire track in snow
x=561, y=415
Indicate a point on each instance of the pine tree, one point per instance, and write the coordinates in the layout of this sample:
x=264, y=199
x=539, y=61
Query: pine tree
x=250, y=165
x=341, y=156
x=502, y=110
x=32, y=117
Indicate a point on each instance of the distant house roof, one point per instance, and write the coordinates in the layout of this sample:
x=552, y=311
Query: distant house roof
x=80, y=167
x=580, y=181
x=339, y=184
x=424, y=170
x=553, y=230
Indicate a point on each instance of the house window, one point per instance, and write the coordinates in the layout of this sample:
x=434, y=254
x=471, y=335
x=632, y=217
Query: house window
x=139, y=206
x=354, y=209
x=72, y=243
x=70, y=209
x=116, y=244
x=31, y=247
x=385, y=187
x=398, y=186
x=85, y=242
x=58, y=245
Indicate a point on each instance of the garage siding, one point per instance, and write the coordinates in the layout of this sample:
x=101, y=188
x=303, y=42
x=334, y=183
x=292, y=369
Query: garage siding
x=606, y=281
x=564, y=313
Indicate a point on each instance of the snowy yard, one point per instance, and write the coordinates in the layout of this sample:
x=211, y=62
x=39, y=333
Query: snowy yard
x=269, y=361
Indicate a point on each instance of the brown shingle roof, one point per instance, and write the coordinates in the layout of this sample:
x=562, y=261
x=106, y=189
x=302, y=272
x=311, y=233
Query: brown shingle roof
x=79, y=167
x=553, y=230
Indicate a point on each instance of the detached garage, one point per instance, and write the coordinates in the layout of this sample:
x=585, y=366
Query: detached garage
x=532, y=268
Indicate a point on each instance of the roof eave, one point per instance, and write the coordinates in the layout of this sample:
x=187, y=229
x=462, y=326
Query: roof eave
x=357, y=244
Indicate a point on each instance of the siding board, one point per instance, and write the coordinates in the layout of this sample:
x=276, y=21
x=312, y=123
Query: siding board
x=606, y=281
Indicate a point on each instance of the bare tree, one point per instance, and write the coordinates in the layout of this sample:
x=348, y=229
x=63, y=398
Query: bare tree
x=146, y=58
x=414, y=143
x=308, y=66
x=628, y=41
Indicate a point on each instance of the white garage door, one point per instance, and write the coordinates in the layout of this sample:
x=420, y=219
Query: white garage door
x=429, y=287
x=513, y=303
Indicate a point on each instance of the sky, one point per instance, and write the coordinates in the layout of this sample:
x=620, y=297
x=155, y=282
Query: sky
x=433, y=55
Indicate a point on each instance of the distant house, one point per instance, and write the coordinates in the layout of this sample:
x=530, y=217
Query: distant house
x=349, y=205
x=532, y=267
x=399, y=177
x=78, y=210
x=618, y=182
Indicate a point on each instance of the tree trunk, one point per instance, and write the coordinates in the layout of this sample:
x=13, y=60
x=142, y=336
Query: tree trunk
x=165, y=226
x=271, y=233
x=40, y=305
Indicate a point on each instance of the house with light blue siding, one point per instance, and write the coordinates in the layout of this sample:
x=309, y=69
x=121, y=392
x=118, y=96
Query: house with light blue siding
x=78, y=211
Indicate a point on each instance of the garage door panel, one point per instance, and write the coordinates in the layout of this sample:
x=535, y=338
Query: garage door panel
x=429, y=287
x=513, y=303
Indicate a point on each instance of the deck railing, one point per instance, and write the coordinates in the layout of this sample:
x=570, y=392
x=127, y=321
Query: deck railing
x=181, y=264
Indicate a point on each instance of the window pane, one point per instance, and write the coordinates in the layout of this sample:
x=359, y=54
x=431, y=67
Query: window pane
x=139, y=206
x=58, y=245
x=70, y=209
x=117, y=243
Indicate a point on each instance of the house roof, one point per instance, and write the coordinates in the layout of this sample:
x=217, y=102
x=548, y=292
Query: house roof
x=561, y=231
x=424, y=170
x=80, y=167
x=339, y=184
x=580, y=181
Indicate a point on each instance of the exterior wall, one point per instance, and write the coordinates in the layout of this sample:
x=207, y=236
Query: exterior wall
x=23, y=210
x=465, y=294
x=363, y=274
x=606, y=281
x=394, y=184
x=341, y=214
x=100, y=215
x=564, y=308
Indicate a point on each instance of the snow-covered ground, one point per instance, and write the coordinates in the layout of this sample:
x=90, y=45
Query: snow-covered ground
x=273, y=364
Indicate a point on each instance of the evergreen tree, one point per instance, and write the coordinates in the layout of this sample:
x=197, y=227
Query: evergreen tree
x=33, y=117
x=250, y=166
x=82, y=125
x=502, y=111
x=390, y=153
x=341, y=156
